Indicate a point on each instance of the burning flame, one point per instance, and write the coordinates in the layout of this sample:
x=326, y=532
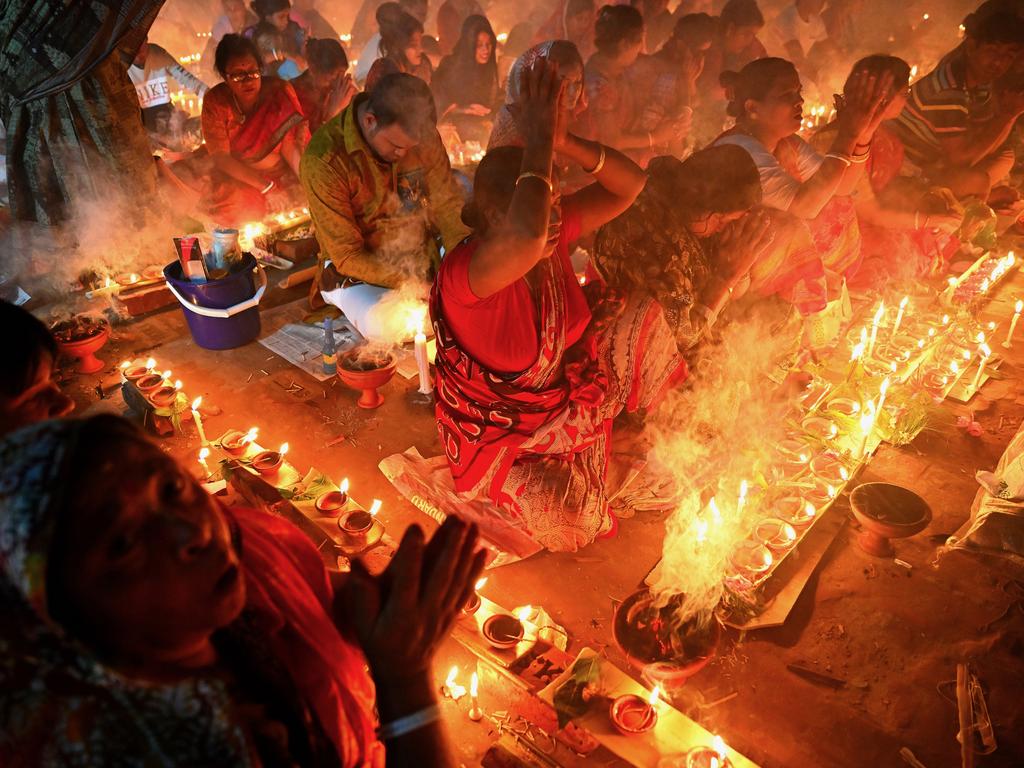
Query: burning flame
x=831, y=491
x=980, y=338
x=166, y=375
x=474, y=685
x=985, y=350
x=811, y=511
x=523, y=614
x=844, y=474
x=879, y=314
x=125, y=364
x=197, y=402
x=250, y=436
x=702, y=531
x=283, y=449
x=451, y=684
x=480, y=584
x=203, y=453
x=178, y=384
x=415, y=317
x=715, y=514
x=1019, y=306
x=343, y=485
x=375, y=507
x=654, y=697
x=150, y=364
x=718, y=744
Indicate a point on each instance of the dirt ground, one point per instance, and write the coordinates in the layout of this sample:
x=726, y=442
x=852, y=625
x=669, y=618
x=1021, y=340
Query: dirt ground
x=893, y=635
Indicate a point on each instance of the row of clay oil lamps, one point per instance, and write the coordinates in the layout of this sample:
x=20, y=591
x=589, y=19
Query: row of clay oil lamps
x=156, y=386
x=809, y=465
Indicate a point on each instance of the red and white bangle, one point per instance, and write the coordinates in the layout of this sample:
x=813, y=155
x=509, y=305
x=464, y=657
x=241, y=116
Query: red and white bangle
x=267, y=188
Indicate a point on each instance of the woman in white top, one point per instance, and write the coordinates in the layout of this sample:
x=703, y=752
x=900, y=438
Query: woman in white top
x=765, y=98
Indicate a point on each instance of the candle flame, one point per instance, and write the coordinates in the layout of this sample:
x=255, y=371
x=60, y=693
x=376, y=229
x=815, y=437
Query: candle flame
x=885, y=385
x=945, y=319
x=980, y=338
x=178, y=384
x=833, y=430
x=133, y=278
x=451, y=684
x=954, y=368
x=903, y=302
x=858, y=351
x=879, y=314
x=811, y=511
x=844, y=474
x=283, y=449
x=125, y=364
x=985, y=350
x=654, y=696
x=523, y=614
x=197, y=402
x=718, y=744
x=480, y=584
x=250, y=436
x=702, y=531
x=1019, y=306
x=203, y=453
x=452, y=674
x=714, y=762
x=474, y=685
x=375, y=507
x=831, y=491
x=166, y=374
x=151, y=364
x=715, y=514
x=343, y=485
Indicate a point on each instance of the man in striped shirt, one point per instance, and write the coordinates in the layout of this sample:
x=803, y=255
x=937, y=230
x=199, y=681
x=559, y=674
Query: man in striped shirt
x=957, y=122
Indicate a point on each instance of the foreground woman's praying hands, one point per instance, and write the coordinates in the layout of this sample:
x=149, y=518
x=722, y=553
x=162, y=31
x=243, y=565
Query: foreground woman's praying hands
x=145, y=622
x=530, y=370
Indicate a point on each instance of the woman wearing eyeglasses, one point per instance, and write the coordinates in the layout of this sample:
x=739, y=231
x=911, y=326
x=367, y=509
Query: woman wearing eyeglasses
x=255, y=133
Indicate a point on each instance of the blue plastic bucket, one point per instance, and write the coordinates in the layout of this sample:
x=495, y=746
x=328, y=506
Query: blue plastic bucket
x=223, y=313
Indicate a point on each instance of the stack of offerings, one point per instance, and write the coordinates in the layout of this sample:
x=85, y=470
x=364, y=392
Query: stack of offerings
x=219, y=291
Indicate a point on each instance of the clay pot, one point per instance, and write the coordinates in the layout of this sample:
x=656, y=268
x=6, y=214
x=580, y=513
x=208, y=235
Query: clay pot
x=232, y=443
x=135, y=372
x=472, y=605
x=356, y=523
x=668, y=658
x=503, y=631
x=886, y=511
x=366, y=375
x=267, y=462
x=630, y=714
x=85, y=350
x=149, y=383
x=162, y=396
x=331, y=503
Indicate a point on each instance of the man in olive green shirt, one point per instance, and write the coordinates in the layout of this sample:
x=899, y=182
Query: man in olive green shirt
x=381, y=192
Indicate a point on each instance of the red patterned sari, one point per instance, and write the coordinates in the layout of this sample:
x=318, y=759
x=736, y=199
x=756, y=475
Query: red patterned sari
x=536, y=443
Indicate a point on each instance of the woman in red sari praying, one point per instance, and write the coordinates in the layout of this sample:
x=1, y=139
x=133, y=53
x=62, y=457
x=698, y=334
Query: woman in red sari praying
x=807, y=192
x=530, y=369
x=255, y=133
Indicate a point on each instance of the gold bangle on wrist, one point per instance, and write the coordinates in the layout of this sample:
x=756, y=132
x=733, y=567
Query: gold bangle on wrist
x=600, y=162
x=535, y=175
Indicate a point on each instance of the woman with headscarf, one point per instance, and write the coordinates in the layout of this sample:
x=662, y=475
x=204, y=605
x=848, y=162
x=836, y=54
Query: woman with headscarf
x=466, y=83
x=572, y=20
x=563, y=55
x=531, y=371
x=689, y=241
x=401, y=48
x=807, y=191
x=145, y=623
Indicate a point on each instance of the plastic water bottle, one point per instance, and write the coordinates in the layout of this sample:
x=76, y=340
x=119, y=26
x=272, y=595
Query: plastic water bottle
x=330, y=354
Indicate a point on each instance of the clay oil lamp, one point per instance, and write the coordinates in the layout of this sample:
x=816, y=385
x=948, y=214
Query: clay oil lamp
x=632, y=714
x=149, y=383
x=844, y=406
x=796, y=511
x=505, y=631
x=133, y=372
x=820, y=427
x=358, y=523
x=268, y=463
x=715, y=756
x=792, y=457
x=332, y=502
x=164, y=396
x=820, y=496
x=830, y=469
x=751, y=560
x=778, y=535
x=235, y=443
x=473, y=604
x=934, y=380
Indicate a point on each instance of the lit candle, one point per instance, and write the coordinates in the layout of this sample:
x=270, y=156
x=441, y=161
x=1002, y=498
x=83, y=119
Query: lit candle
x=881, y=397
x=375, y=507
x=867, y=423
x=283, y=449
x=420, y=350
x=250, y=436
x=1013, y=323
x=199, y=420
x=203, y=453
x=150, y=364
x=983, y=351
x=899, y=316
x=874, y=327
x=475, y=713
x=716, y=515
x=741, y=502
x=166, y=376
